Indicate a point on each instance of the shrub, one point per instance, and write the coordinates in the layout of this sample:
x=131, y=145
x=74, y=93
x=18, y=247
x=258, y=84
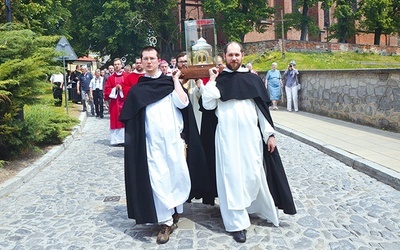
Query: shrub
x=43, y=125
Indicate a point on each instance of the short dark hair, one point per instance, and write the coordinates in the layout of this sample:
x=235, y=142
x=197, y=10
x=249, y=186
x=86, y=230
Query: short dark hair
x=181, y=54
x=149, y=48
x=230, y=43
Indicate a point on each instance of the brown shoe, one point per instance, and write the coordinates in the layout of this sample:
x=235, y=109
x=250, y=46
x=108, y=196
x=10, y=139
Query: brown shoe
x=163, y=235
x=176, y=217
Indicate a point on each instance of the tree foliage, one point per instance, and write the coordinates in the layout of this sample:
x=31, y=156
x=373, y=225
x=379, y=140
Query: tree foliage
x=26, y=58
x=396, y=16
x=346, y=15
x=300, y=20
x=120, y=27
x=377, y=17
x=42, y=16
x=238, y=17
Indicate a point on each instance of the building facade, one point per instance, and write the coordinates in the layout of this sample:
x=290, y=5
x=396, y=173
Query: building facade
x=192, y=9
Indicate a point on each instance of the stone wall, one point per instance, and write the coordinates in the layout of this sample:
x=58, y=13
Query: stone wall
x=367, y=97
x=309, y=46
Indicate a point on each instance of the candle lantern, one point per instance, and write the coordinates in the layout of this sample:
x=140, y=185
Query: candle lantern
x=200, y=38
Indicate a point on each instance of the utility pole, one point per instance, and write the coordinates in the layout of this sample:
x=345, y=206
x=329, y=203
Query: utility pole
x=183, y=18
x=8, y=11
x=283, y=35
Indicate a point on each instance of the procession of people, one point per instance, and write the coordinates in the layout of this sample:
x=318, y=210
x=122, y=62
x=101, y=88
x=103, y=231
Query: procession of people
x=211, y=138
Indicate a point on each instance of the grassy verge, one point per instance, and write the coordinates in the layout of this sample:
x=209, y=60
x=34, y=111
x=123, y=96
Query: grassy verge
x=337, y=60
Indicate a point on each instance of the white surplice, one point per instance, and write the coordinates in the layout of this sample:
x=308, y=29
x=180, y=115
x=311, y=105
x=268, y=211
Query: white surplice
x=169, y=174
x=241, y=182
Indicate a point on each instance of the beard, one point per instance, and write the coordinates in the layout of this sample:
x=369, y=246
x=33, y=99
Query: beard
x=234, y=65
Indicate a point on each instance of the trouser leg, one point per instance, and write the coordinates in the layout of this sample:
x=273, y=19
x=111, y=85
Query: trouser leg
x=288, y=98
x=83, y=96
x=100, y=98
x=96, y=101
x=295, y=98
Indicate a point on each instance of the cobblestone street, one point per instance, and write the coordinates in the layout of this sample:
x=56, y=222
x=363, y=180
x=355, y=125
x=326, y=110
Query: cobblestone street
x=78, y=202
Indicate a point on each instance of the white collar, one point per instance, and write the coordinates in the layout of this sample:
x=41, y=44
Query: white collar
x=156, y=75
x=240, y=69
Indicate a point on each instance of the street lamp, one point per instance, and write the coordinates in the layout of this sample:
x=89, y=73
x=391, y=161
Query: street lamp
x=68, y=53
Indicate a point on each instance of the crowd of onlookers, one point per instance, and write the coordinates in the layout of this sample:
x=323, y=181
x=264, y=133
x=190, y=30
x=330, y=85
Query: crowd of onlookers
x=274, y=83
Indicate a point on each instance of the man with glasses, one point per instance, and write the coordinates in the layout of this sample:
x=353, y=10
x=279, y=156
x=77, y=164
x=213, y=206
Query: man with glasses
x=157, y=178
x=190, y=86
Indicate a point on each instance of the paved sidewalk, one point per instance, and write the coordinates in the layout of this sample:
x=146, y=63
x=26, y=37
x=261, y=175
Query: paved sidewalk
x=75, y=199
x=369, y=150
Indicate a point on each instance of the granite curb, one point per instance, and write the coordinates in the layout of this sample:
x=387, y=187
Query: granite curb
x=29, y=172
x=374, y=170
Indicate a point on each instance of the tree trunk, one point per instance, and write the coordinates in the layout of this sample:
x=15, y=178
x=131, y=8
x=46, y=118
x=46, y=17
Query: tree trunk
x=377, y=36
x=304, y=29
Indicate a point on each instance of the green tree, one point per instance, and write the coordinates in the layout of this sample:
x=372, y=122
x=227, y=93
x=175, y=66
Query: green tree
x=300, y=20
x=41, y=16
x=396, y=16
x=346, y=15
x=121, y=27
x=238, y=17
x=377, y=17
x=26, y=58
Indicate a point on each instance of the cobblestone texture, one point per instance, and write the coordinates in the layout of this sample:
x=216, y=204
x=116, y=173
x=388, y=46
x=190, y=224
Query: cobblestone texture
x=63, y=206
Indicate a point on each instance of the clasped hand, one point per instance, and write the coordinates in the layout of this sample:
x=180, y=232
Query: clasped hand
x=214, y=72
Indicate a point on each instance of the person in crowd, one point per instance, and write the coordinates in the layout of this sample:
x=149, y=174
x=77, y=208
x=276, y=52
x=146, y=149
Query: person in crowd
x=291, y=80
x=73, y=79
x=172, y=63
x=74, y=76
x=245, y=146
x=114, y=94
x=110, y=71
x=57, y=81
x=157, y=174
x=128, y=69
x=273, y=83
x=250, y=67
x=165, y=68
x=130, y=80
x=96, y=92
x=220, y=63
x=190, y=86
x=82, y=88
x=138, y=66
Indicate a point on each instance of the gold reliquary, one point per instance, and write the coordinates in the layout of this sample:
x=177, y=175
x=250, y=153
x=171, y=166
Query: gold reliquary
x=200, y=39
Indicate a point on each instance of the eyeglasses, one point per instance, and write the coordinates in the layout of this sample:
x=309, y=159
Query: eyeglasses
x=149, y=59
x=182, y=61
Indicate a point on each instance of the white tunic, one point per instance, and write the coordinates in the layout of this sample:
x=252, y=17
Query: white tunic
x=241, y=180
x=169, y=174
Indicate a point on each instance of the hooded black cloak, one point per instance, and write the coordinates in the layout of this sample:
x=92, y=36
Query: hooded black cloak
x=246, y=85
x=139, y=195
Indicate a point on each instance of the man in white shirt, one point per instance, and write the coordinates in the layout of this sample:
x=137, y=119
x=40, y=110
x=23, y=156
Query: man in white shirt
x=96, y=92
x=157, y=178
x=57, y=81
x=245, y=147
